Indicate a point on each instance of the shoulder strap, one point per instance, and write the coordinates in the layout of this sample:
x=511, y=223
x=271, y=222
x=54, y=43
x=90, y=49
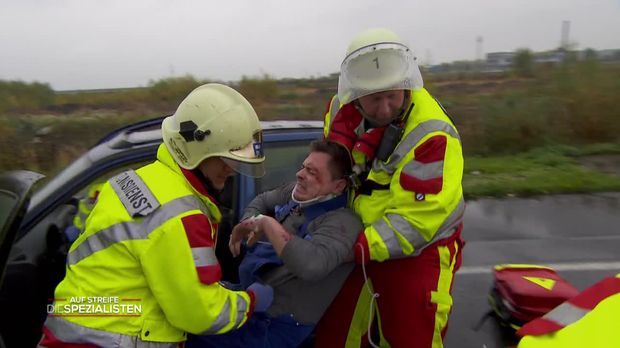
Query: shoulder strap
x=313, y=211
x=282, y=211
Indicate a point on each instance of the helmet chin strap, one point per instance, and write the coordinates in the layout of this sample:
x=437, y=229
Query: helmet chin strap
x=307, y=202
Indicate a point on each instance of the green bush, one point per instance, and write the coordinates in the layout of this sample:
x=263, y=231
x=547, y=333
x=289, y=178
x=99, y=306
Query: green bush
x=563, y=109
x=259, y=90
x=523, y=64
x=171, y=91
x=22, y=95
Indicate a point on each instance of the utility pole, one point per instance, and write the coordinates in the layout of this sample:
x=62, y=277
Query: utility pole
x=479, y=42
x=564, y=43
x=428, y=59
x=478, y=63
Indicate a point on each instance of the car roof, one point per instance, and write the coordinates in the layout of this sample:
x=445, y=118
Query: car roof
x=149, y=130
x=138, y=141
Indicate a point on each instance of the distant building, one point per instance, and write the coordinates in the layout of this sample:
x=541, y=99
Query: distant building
x=552, y=57
x=500, y=60
x=503, y=61
x=608, y=55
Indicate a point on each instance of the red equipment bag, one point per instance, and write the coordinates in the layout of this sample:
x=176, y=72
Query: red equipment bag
x=522, y=293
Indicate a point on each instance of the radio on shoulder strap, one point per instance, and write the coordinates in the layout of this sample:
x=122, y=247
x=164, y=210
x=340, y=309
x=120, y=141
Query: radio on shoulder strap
x=391, y=137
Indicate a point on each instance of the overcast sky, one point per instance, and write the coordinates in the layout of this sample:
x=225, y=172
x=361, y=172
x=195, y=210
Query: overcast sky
x=82, y=44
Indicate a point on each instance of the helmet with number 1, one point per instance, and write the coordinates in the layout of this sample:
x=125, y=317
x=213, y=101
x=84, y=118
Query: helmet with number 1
x=377, y=60
x=214, y=120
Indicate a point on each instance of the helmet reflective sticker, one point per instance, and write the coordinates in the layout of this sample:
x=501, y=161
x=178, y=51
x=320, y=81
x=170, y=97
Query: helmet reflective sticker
x=249, y=159
x=253, y=150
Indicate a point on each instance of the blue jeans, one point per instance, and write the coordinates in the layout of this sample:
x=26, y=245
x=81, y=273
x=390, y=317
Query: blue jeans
x=259, y=331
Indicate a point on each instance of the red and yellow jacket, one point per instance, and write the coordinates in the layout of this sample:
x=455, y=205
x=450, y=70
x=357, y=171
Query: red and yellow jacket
x=590, y=319
x=416, y=197
x=149, y=241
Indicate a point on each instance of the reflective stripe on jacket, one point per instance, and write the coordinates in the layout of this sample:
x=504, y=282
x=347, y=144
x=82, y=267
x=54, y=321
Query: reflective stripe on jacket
x=590, y=319
x=150, y=241
x=422, y=200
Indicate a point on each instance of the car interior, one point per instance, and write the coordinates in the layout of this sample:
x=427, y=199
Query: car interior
x=13, y=204
x=36, y=262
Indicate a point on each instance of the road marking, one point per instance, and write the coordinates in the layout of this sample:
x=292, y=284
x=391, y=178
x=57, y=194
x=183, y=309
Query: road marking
x=587, y=266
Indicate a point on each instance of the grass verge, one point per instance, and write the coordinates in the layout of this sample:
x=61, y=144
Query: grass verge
x=541, y=171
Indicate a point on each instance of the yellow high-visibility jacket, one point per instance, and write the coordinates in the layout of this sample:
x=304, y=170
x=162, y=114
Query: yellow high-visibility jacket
x=590, y=319
x=85, y=206
x=149, y=241
x=417, y=197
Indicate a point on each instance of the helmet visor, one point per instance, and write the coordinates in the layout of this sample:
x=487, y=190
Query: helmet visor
x=249, y=159
x=378, y=68
x=255, y=170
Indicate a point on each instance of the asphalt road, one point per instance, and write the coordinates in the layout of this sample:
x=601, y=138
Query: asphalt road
x=577, y=235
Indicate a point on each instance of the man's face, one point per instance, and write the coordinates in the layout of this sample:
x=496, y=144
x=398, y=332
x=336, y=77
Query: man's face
x=383, y=107
x=314, y=179
x=217, y=171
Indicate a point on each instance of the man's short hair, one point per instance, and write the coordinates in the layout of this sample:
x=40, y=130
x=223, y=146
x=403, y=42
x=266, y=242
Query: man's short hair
x=340, y=162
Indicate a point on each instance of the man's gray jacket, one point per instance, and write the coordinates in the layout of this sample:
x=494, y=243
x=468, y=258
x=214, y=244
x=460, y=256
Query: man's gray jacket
x=314, y=268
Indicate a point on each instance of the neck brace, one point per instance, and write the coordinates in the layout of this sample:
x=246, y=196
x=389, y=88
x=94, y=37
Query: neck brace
x=311, y=200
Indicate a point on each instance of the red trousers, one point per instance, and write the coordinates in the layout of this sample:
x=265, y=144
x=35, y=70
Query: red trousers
x=413, y=305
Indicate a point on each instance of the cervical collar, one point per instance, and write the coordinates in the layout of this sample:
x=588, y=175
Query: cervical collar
x=312, y=200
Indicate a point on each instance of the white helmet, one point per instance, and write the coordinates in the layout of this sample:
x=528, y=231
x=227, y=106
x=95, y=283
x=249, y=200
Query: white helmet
x=377, y=60
x=215, y=120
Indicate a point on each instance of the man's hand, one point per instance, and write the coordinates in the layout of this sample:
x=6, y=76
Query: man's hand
x=253, y=230
x=249, y=229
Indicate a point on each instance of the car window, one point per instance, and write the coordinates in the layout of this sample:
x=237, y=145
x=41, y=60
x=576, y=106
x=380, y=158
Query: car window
x=73, y=207
x=94, y=186
x=87, y=197
x=282, y=161
x=15, y=189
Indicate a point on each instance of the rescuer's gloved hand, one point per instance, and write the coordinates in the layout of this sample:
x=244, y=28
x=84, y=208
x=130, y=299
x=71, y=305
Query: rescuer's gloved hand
x=366, y=145
x=263, y=296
